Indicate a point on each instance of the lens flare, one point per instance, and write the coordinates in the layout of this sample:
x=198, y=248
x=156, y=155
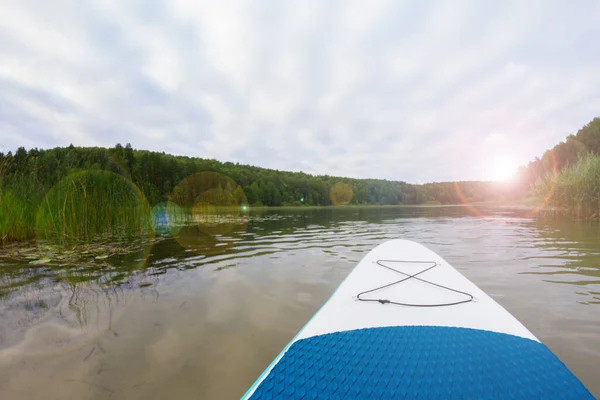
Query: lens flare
x=217, y=207
x=473, y=209
x=167, y=218
x=91, y=205
x=88, y=217
x=92, y=229
x=502, y=170
x=340, y=194
x=550, y=191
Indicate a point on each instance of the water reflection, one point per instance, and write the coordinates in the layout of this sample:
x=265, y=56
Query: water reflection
x=202, y=313
x=566, y=252
x=572, y=256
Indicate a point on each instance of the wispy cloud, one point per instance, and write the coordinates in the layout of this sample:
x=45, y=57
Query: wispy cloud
x=416, y=91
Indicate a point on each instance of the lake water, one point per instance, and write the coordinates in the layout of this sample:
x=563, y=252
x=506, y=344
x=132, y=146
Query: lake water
x=200, y=317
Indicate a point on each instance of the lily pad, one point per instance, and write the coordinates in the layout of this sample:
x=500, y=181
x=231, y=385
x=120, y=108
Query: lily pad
x=41, y=261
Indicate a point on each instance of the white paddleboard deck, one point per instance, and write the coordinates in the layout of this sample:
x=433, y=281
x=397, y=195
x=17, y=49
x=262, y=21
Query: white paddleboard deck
x=406, y=324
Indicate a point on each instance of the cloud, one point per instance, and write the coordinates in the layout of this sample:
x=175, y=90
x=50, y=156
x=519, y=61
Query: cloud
x=413, y=91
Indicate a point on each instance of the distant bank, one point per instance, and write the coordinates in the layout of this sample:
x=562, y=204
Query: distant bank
x=80, y=193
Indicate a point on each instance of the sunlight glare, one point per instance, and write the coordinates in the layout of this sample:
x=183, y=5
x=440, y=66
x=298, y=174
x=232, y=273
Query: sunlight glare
x=502, y=169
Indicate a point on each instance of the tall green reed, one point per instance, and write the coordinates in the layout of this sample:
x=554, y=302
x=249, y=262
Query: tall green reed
x=575, y=190
x=90, y=205
x=19, y=197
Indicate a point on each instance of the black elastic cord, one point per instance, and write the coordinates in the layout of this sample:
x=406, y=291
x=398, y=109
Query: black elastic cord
x=408, y=276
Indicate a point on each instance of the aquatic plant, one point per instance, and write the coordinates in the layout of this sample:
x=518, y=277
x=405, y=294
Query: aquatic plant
x=18, y=203
x=88, y=205
x=575, y=190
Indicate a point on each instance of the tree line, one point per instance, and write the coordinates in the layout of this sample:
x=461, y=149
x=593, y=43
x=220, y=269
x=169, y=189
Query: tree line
x=33, y=172
x=565, y=154
x=566, y=176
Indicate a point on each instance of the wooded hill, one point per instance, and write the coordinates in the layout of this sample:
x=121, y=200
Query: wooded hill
x=156, y=174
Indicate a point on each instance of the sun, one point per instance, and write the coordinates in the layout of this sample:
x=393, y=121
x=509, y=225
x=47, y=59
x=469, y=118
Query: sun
x=502, y=169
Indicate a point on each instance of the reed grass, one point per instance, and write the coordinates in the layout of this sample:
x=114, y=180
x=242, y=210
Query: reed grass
x=575, y=190
x=18, y=202
x=13, y=220
x=91, y=205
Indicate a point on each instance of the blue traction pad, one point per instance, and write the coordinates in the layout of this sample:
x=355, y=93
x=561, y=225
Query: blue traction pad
x=419, y=362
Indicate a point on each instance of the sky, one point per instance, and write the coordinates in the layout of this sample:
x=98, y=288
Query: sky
x=416, y=91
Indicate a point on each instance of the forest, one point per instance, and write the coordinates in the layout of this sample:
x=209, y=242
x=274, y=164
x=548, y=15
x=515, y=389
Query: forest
x=567, y=177
x=565, y=154
x=81, y=192
x=35, y=171
x=41, y=189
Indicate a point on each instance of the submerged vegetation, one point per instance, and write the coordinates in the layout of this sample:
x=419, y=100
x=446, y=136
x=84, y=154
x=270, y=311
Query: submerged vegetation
x=83, y=255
